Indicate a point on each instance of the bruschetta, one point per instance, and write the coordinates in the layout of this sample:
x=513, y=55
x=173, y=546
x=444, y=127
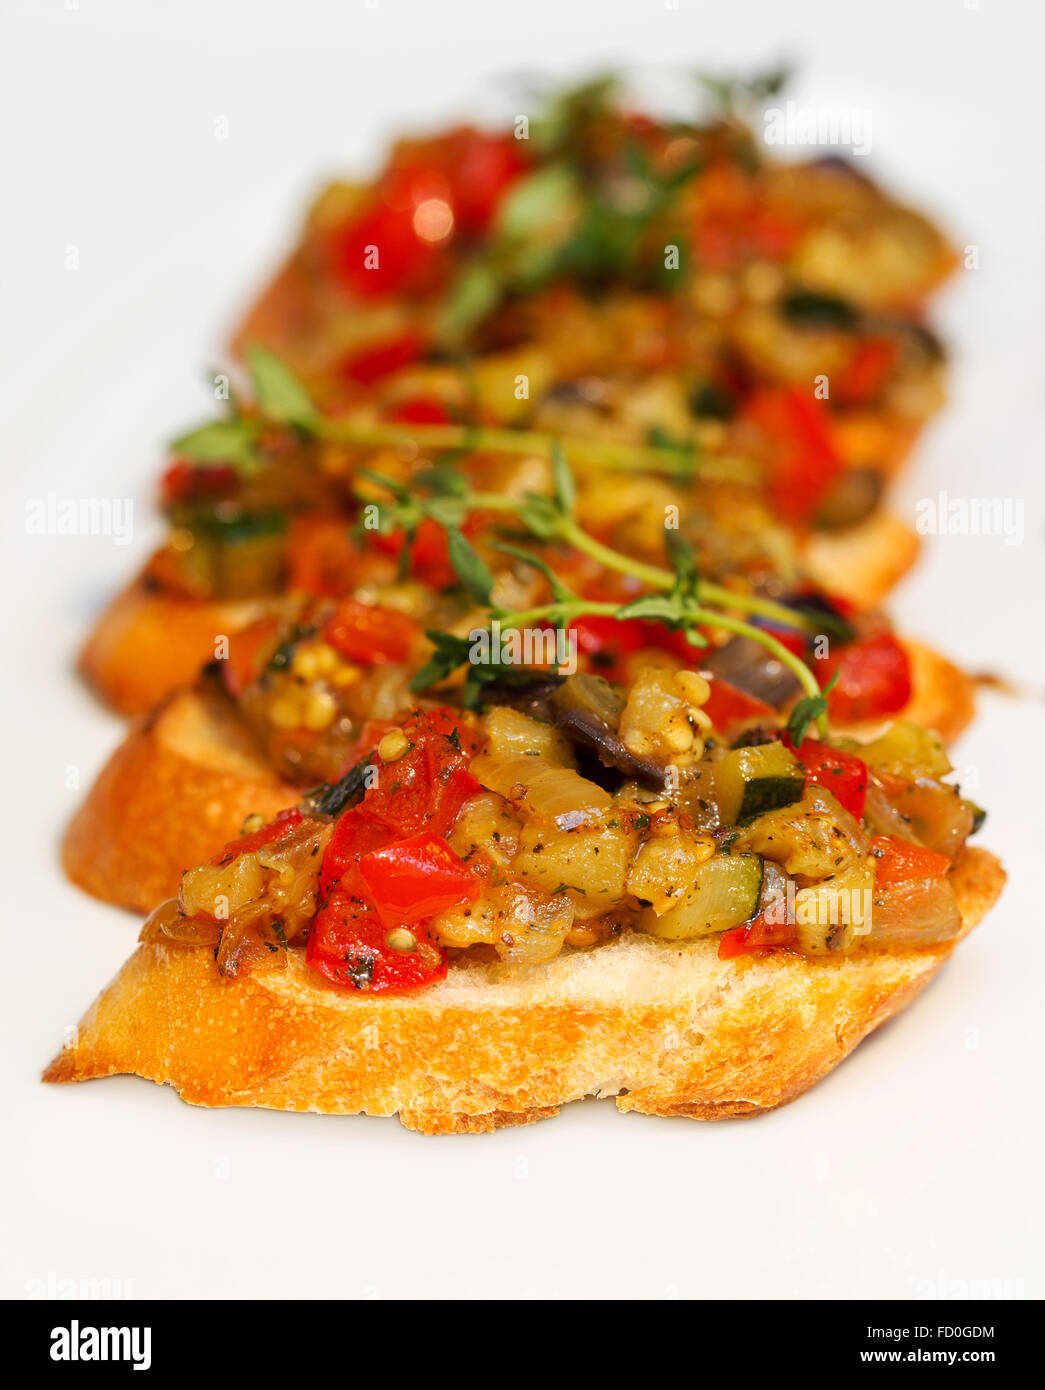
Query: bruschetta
x=601, y=277
x=283, y=706
x=494, y=914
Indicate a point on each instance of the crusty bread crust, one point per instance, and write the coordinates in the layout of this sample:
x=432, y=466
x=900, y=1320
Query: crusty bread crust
x=183, y=781
x=178, y=787
x=863, y=562
x=666, y=1027
x=148, y=643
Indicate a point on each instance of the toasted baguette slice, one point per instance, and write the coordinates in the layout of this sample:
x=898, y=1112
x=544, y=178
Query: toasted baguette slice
x=179, y=786
x=148, y=643
x=863, y=562
x=184, y=779
x=666, y=1027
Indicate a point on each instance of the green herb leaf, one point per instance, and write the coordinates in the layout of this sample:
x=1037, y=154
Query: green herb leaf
x=450, y=653
x=541, y=515
x=664, y=607
x=468, y=566
x=537, y=204
x=279, y=393
x=560, y=592
x=684, y=562
x=565, y=485
x=807, y=709
x=221, y=441
x=477, y=291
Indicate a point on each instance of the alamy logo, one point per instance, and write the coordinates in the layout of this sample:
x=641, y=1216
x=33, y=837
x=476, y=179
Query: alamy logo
x=76, y=1343
x=944, y=515
x=80, y=516
x=792, y=124
x=528, y=646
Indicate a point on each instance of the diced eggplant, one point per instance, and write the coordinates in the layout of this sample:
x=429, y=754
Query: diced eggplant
x=851, y=499
x=746, y=664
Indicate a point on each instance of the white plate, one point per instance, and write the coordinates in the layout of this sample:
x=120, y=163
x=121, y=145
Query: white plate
x=914, y=1169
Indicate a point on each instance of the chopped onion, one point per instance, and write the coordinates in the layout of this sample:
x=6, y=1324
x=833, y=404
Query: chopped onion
x=910, y=916
x=557, y=793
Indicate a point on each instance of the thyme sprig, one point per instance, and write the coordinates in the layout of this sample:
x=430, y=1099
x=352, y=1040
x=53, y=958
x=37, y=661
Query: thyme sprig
x=281, y=401
x=683, y=602
x=446, y=498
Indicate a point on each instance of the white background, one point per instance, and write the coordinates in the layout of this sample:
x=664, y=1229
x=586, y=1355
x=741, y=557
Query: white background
x=916, y=1167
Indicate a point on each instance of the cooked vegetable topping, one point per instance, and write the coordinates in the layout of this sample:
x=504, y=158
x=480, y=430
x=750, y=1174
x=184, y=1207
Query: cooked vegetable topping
x=487, y=457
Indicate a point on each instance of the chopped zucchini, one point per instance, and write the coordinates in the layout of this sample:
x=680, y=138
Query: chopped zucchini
x=725, y=893
x=814, y=839
x=752, y=781
x=906, y=750
x=979, y=815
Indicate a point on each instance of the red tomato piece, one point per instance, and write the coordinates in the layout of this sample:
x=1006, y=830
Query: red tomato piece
x=841, y=774
x=420, y=410
x=899, y=862
x=727, y=705
x=429, y=556
x=243, y=665
x=874, y=678
x=284, y=821
x=378, y=253
x=184, y=481
x=426, y=787
x=804, y=460
x=759, y=934
x=414, y=879
x=348, y=944
x=483, y=168
x=607, y=642
x=867, y=372
x=370, y=636
x=378, y=360
x=322, y=557
x=355, y=835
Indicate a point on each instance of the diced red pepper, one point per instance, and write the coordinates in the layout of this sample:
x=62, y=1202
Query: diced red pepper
x=608, y=642
x=355, y=834
x=284, y=821
x=415, y=879
x=759, y=934
x=370, y=636
x=386, y=865
x=842, y=774
x=899, y=862
x=184, y=481
x=378, y=360
x=483, y=168
x=867, y=372
x=804, y=460
x=404, y=262
x=322, y=557
x=734, y=224
x=727, y=705
x=348, y=944
x=242, y=666
x=429, y=555
x=426, y=787
x=874, y=678
x=420, y=410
